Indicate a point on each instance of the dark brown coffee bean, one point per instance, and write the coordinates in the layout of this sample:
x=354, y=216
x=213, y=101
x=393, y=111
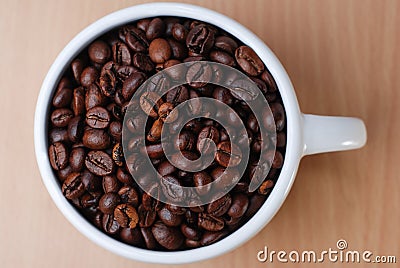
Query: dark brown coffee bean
x=179, y=32
x=223, y=95
x=99, y=52
x=143, y=62
x=179, y=50
x=256, y=201
x=275, y=157
x=279, y=115
x=108, y=83
x=96, y=139
x=150, y=103
x=58, y=135
x=58, y=155
x=77, y=159
x=226, y=44
x=121, y=54
x=109, y=224
x=170, y=63
x=146, y=217
x=108, y=202
x=171, y=188
x=89, y=201
x=75, y=129
x=185, y=141
x=210, y=223
x=155, y=131
x=176, y=209
x=269, y=80
x=222, y=57
x=224, y=179
x=228, y=154
x=99, y=163
x=266, y=187
x=159, y=50
x=177, y=95
x=212, y=237
x=166, y=168
x=132, y=236
x=89, y=76
x=64, y=173
x=154, y=150
x=190, y=232
x=61, y=117
x=169, y=218
x=94, y=97
x=206, y=136
x=136, y=39
x=98, y=117
x=248, y=60
x=262, y=86
x=240, y=203
x=199, y=74
x=73, y=187
x=126, y=215
x=78, y=101
x=168, y=237
x=167, y=113
x=129, y=195
x=149, y=239
x=131, y=84
x=202, y=180
x=91, y=182
x=115, y=130
x=110, y=184
x=252, y=123
x=220, y=206
x=122, y=72
x=62, y=98
x=192, y=243
x=118, y=155
x=77, y=67
x=200, y=39
x=124, y=177
x=156, y=29
x=143, y=24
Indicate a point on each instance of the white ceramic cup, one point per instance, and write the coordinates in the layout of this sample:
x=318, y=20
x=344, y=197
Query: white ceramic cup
x=306, y=134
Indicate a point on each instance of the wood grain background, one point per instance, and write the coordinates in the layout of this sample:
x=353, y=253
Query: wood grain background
x=343, y=58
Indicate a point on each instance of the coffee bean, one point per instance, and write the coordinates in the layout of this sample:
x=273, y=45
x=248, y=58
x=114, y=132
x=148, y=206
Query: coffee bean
x=269, y=80
x=115, y=130
x=150, y=103
x=155, y=131
x=223, y=95
x=155, y=29
x=61, y=117
x=240, y=203
x=58, y=135
x=110, y=184
x=77, y=159
x=121, y=54
x=64, y=173
x=192, y=243
x=226, y=44
x=77, y=67
x=168, y=237
x=94, y=97
x=210, y=223
x=89, y=76
x=206, y=136
x=129, y=195
x=200, y=39
x=108, y=83
x=199, y=74
x=256, y=201
x=78, y=101
x=99, y=163
x=185, y=141
x=266, y=187
x=169, y=218
x=132, y=236
x=212, y=237
x=91, y=182
x=98, y=117
x=136, y=122
x=149, y=239
x=222, y=57
x=75, y=129
x=131, y=84
x=252, y=123
x=146, y=217
x=110, y=225
x=165, y=168
x=202, y=180
x=96, y=139
x=179, y=32
x=279, y=116
x=166, y=112
x=248, y=60
x=159, y=50
x=136, y=39
x=122, y=72
x=62, y=98
x=190, y=232
x=228, y=154
x=117, y=154
x=99, y=52
x=220, y=206
x=124, y=177
x=179, y=50
x=58, y=155
x=73, y=187
x=126, y=215
x=108, y=202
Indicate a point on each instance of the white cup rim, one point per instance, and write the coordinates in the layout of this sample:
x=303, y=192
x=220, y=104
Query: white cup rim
x=294, y=133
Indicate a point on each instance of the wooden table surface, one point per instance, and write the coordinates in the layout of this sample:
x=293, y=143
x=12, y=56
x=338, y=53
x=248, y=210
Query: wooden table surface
x=343, y=58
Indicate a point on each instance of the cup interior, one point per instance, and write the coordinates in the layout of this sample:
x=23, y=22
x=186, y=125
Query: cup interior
x=293, y=146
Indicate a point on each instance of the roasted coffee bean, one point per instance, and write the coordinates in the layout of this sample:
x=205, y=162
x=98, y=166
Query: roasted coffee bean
x=108, y=202
x=179, y=50
x=122, y=72
x=110, y=225
x=121, y=54
x=190, y=232
x=256, y=201
x=91, y=182
x=89, y=76
x=220, y=206
x=169, y=237
x=171, y=188
x=96, y=139
x=89, y=201
x=132, y=236
x=159, y=50
x=58, y=155
x=179, y=32
x=61, y=117
x=169, y=218
x=126, y=215
x=240, y=203
x=62, y=98
x=149, y=239
x=281, y=139
x=77, y=67
x=252, y=123
x=167, y=113
x=269, y=80
x=124, y=177
x=155, y=29
x=75, y=129
x=64, y=173
x=226, y=44
x=262, y=86
x=228, y=154
x=78, y=101
x=118, y=155
x=185, y=141
x=212, y=237
x=110, y=184
x=266, y=187
x=200, y=39
x=108, y=83
x=176, y=209
x=150, y=103
x=136, y=122
x=165, y=168
x=155, y=131
x=143, y=62
x=244, y=90
x=202, y=180
x=99, y=52
x=249, y=61
x=192, y=243
x=131, y=84
x=58, y=135
x=210, y=223
x=115, y=130
x=99, y=163
x=94, y=97
x=98, y=117
x=206, y=136
x=279, y=116
x=77, y=159
x=136, y=39
x=73, y=187
x=146, y=217
x=223, y=95
x=222, y=57
x=129, y=195
x=199, y=74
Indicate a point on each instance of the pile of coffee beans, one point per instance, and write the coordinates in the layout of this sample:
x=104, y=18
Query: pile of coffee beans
x=86, y=125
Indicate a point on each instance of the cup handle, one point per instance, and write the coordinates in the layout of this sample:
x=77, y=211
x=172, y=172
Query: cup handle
x=332, y=133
